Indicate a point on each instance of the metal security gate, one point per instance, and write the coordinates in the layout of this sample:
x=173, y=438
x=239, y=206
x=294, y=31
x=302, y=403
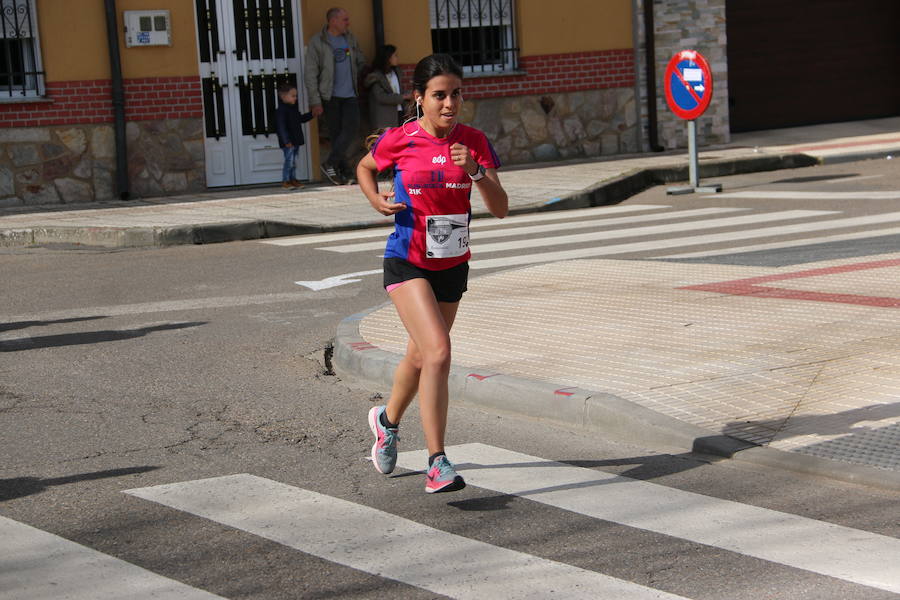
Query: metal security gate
x=247, y=49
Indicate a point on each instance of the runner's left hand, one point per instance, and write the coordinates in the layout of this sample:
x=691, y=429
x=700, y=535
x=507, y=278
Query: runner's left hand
x=461, y=157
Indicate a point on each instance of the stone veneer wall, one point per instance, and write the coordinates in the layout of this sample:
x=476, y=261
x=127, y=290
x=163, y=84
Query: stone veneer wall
x=579, y=124
x=71, y=164
x=591, y=113
x=686, y=25
x=60, y=149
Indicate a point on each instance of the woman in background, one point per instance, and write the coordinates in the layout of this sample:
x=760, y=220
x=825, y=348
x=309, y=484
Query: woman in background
x=385, y=94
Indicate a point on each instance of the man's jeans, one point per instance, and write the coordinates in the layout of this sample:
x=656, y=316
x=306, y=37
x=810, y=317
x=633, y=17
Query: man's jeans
x=290, y=160
x=342, y=120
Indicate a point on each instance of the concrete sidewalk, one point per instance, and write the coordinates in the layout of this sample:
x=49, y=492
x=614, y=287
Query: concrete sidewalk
x=242, y=214
x=802, y=373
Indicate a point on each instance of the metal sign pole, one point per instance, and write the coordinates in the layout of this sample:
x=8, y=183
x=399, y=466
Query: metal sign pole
x=694, y=161
x=693, y=168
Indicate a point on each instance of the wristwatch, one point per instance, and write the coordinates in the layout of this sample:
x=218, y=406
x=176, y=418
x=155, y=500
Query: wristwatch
x=478, y=175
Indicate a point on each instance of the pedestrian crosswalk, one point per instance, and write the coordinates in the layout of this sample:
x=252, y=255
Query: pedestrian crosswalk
x=36, y=565
x=353, y=535
x=778, y=537
x=386, y=543
x=655, y=231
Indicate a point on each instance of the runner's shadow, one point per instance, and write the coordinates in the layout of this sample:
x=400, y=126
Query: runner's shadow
x=646, y=468
x=19, y=487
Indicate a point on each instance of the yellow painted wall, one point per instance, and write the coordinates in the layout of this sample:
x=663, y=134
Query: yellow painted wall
x=74, y=47
x=360, y=21
x=73, y=40
x=73, y=33
x=179, y=59
x=405, y=25
x=573, y=26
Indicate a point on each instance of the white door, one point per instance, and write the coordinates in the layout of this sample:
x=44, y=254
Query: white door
x=247, y=48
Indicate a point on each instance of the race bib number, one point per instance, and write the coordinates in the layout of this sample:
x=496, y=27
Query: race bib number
x=446, y=236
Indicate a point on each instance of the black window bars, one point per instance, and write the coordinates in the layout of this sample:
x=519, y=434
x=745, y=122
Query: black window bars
x=479, y=34
x=20, y=72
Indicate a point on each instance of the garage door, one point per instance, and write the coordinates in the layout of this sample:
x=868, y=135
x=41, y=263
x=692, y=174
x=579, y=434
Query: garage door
x=812, y=61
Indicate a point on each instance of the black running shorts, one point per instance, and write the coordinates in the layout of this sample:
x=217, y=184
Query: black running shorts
x=448, y=285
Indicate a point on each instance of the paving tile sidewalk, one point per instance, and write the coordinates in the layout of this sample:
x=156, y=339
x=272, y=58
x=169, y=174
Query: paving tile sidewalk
x=808, y=379
x=269, y=212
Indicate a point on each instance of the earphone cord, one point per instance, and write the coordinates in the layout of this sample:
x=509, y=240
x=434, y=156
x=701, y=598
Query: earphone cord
x=415, y=118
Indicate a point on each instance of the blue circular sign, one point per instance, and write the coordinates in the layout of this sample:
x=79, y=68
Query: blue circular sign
x=688, y=84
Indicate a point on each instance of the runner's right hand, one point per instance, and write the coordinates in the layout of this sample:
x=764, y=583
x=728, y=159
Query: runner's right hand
x=386, y=205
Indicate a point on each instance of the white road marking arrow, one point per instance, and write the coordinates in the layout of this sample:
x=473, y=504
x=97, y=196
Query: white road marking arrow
x=330, y=282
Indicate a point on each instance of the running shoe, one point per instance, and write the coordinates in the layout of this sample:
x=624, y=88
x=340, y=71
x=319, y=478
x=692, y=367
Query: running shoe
x=384, y=451
x=442, y=477
x=331, y=173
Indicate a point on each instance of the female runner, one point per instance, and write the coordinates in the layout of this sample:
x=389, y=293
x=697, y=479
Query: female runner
x=437, y=160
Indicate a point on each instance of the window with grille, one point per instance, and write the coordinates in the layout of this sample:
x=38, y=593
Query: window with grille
x=20, y=59
x=479, y=34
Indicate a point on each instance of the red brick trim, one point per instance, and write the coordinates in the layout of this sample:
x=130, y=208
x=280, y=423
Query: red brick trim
x=555, y=73
x=90, y=101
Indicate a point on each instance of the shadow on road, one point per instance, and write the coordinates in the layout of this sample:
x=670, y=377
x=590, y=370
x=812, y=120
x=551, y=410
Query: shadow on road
x=19, y=487
x=645, y=468
x=91, y=337
x=25, y=324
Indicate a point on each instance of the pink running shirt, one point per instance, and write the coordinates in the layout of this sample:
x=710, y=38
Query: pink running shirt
x=433, y=232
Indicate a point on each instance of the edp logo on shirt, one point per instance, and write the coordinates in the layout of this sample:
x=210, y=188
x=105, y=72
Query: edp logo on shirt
x=439, y=159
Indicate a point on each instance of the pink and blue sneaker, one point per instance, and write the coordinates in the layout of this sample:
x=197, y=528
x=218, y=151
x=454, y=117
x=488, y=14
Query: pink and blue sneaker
x=442, y=477
x=384, y=451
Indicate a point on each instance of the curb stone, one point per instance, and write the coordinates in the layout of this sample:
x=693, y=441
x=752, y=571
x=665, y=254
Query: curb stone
x=590, y=410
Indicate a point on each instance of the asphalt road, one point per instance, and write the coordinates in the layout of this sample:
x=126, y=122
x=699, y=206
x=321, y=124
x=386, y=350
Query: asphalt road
x=122, y=370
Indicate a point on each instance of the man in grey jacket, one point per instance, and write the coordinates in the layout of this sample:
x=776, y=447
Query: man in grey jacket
x=333, y=62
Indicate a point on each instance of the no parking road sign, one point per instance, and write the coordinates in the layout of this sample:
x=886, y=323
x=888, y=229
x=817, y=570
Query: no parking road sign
x=689, y=85
x=689, y=89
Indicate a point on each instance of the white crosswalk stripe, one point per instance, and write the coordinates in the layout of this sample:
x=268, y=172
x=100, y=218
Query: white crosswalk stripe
x=554, y=227
x=683, y=242
x=779, y=537
x=666, y=223
x=351, y=534
x=801, y=195
x=841, y=237
x=646, y=228
x=36, y=565
x=649, y=230
x=534, y=233
x=477, y=224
